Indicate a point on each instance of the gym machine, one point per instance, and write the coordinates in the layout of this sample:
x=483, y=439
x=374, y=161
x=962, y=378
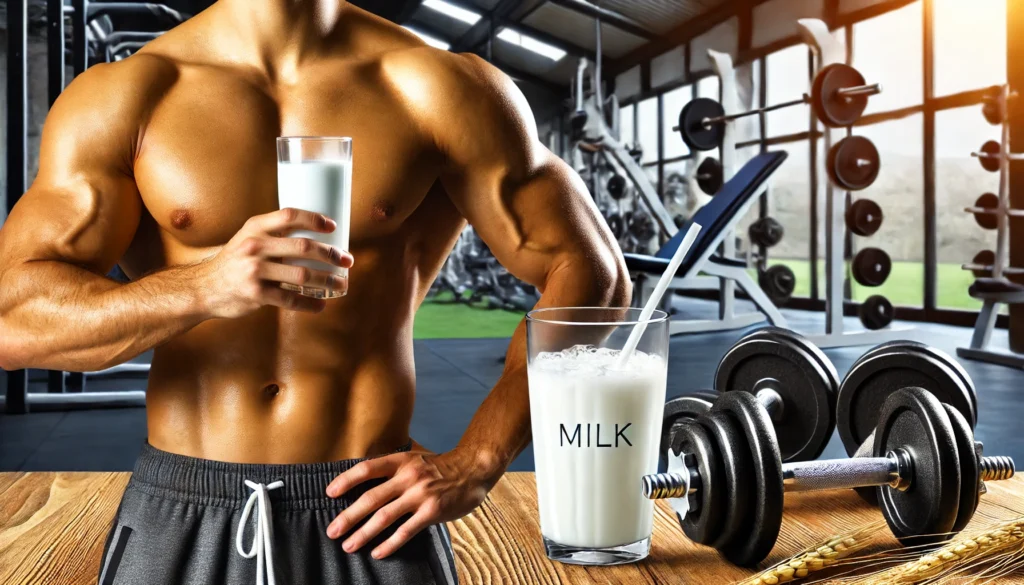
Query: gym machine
x=993, y=212
x=65, y=390
x=728, y=467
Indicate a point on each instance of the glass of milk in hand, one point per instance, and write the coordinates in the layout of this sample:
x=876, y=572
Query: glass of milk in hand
x=596, y=429
x=314, y=173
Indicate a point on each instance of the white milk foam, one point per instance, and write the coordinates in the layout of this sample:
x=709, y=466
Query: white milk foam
x=322, y=187
x=596, y=432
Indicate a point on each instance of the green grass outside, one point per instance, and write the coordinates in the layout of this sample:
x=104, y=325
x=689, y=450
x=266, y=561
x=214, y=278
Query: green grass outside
x=447, y=320
x=905, y=286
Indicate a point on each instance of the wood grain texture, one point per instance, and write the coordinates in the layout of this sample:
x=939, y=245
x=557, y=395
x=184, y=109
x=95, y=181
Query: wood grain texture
x=52, y=527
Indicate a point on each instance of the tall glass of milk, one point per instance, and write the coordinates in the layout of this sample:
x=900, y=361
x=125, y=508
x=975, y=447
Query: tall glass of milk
x=596, y=430
x=314, y=173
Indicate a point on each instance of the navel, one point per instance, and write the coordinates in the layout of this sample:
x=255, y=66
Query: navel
x=271, y=391
x=181, y=219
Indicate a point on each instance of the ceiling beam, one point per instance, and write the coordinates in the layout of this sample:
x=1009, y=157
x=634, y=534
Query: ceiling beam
x=610, y=17
x=514, y=73
x=559, y=43
x=479, y=33
x=679, y=35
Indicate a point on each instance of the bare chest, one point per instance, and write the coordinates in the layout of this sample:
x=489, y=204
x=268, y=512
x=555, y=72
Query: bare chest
x=207, y=160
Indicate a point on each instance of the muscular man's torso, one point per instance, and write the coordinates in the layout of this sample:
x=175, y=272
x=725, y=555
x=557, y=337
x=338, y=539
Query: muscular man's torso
x=281, y=386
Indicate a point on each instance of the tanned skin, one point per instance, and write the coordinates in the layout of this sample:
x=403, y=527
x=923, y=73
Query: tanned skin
x=164, y=163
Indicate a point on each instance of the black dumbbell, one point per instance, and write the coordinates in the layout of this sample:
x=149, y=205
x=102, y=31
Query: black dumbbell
x=789, y=376
x=727, y=483
x=885, y=369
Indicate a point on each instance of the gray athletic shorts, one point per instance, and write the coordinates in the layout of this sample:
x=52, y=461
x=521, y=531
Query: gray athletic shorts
x=179, y=520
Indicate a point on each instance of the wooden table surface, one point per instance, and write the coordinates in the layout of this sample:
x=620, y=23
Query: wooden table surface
x=52, y=527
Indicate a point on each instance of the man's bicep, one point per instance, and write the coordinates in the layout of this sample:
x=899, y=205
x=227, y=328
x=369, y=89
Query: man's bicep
x=83, y=206
x=543, y=221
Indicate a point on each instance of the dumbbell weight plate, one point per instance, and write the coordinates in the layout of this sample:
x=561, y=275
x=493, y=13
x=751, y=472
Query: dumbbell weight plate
x=985, y=220
x=778, y=282
x=913, y=419
x=884, y=370
x=766, y=231
x=876, y=312
x=864, y=217
x=710, y=175
x=704, y=521
x=617, y=187
x=812, y=350
x=774, y=359
x=737, y=477
x=984, y=258
x=934, y=353
x=832, y=109
x=990, y=109
x=679, y=411
x=843, y=167
x=641, y=226
x=871, y=267
x=970, y=468
x=615, y=224
x=692, y=129
x=752, y=545
x=990, y=163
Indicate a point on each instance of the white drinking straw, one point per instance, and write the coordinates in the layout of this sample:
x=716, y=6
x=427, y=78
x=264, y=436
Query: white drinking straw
x=659, y=291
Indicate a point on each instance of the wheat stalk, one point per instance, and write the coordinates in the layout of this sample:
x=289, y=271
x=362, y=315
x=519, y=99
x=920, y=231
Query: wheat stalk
x=817, y=558
x=967, y=551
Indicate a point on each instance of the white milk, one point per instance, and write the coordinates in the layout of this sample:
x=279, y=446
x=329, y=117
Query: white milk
x=596, y=432
x=322, y=187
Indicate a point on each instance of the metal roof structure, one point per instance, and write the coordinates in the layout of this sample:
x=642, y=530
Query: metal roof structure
x=630, y=29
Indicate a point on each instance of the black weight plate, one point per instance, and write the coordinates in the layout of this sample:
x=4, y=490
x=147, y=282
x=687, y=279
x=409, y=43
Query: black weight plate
x=833, y=110
x=871, y=266
x=616, y=225
x=864, y=217
x=679, y=411
x=641, y=226
x=970, y=468
x=853, y=163
x=765, y=520
x=990, y=163
x=704, y=521
x=774, y=358
x=617, y=187
x=876, y=312
x=914, y=420
x=813, y=350
x=985, y=258
x=737, y=477
x=987, y=220
x=930, y=352
x=766, y=231
x=778, y=282
x=884, y=370
x=695, y=133
x=710, y=175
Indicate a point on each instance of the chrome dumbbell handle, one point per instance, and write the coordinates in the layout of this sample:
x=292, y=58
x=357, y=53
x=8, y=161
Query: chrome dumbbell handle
x=894, y=470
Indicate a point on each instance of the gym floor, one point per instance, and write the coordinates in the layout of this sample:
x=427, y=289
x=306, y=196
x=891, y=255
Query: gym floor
x=454, y=376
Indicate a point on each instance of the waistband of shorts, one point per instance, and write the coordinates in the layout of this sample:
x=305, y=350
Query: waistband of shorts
x=217, y=483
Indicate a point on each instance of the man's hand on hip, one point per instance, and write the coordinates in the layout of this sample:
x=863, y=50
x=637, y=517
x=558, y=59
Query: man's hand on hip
x=432, y=488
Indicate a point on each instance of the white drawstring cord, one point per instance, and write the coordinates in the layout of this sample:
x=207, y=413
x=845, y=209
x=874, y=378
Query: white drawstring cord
x=263, y=540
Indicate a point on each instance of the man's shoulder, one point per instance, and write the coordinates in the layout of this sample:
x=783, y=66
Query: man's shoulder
x=131, y=83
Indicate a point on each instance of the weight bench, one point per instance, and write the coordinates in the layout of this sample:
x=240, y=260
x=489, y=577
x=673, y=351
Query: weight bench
x=718, y=219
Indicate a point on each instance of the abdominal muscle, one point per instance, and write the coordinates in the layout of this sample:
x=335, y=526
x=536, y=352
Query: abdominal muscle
x=266, y=389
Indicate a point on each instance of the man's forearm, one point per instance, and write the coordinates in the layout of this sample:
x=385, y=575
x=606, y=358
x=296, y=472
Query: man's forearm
x=59, y=316
x=500, y=429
